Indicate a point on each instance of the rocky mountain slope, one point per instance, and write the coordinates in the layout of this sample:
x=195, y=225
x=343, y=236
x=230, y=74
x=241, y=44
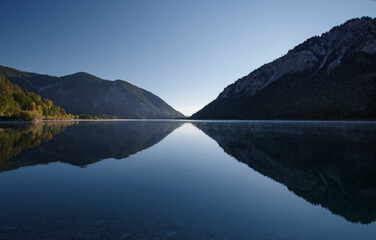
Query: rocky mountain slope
x=328, y=77
x=82, y=93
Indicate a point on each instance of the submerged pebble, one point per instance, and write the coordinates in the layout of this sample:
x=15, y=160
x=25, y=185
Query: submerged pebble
x=124, y=237
x=171, y=235
x=6, y=229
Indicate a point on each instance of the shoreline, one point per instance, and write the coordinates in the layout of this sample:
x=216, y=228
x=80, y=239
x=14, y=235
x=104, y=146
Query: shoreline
x=188, y=120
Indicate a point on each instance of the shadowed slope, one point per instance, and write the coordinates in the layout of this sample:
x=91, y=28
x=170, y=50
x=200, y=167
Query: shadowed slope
x=82, y=93
x=328, y=77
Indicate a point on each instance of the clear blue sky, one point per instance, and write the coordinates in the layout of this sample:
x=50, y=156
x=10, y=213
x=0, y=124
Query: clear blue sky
x=186, y=52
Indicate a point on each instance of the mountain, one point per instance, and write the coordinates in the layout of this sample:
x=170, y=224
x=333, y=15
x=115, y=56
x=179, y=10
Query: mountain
x=82, y=93
x=328, y=77
x=16, y=103
x=328, y=163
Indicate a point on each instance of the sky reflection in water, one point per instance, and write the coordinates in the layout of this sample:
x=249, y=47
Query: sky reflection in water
x=188, y=180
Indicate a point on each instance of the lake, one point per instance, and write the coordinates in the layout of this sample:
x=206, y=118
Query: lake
x=188, y=180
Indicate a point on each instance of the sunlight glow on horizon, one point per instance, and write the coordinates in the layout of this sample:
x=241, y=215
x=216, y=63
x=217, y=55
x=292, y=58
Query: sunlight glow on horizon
x=186, y=52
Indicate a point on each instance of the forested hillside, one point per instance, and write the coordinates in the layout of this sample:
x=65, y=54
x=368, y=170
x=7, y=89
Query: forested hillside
x=18, y=104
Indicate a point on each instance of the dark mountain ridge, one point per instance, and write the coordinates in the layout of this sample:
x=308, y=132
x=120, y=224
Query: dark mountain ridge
x=83, y=93
x=328, y=77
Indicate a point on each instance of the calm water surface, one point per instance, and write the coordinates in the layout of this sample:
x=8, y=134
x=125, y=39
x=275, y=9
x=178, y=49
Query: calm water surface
x=188, y=180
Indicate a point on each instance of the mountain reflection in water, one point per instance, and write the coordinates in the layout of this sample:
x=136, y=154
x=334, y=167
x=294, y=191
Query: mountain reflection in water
x=82, y=143
x=185, y=186
x=331, y=164
x=14, y=138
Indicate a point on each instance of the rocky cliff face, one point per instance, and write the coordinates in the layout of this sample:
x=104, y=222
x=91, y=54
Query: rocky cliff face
x=316, y=53
x=313, y=74
x=82, y=93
